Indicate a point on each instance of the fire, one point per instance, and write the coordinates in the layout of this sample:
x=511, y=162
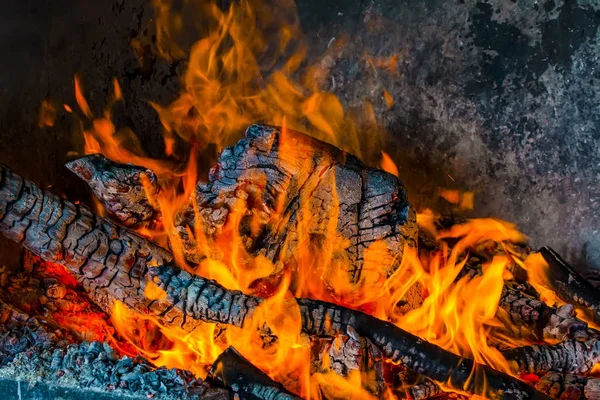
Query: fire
x=236, y=76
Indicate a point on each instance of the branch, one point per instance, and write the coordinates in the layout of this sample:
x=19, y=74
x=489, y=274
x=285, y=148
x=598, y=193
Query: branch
x=113, y=263
x=244, y=379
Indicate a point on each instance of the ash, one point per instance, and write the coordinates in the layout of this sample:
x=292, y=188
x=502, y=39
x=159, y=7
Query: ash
x=36, y=348
x=96, y=367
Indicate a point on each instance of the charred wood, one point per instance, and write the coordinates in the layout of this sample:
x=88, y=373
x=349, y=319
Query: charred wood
x=570, y=356
x=113, y=263
x=124, y=190
x=278, y=175
x=525, y=309
x=349, y=353
x=570, y=286
x=424, y=390
x=244, y=379
x=569, y=387
x=416, y=387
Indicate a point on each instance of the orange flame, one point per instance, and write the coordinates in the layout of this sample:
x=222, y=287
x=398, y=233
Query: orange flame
x=237, y=75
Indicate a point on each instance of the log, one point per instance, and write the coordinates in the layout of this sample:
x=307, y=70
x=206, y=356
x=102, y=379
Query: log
x=547, y=322
x=569, y=386
x=295, y=192
x=245, y=380
x=570, y=356
x=570, y=286
x=113, y=263
x=123, y=190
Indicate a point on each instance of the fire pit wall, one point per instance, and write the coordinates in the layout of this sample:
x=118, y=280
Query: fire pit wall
x=499, y=98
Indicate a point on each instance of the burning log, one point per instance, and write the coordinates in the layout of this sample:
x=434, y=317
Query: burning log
x=569, y=387
x=113, y=263
x=425, y=390
x=279, y=175
x=244, y=379
x=416, y=386
x=570, y=286
x=123, y=190
x=527, y=310
x=570, y=356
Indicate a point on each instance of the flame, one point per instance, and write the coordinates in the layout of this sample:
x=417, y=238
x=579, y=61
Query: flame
x=388, y=165
x=463, y=200
x=237, y=75
x=47, y=114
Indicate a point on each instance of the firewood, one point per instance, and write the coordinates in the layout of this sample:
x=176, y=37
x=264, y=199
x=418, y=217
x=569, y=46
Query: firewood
x=569, y=386
x=570, y=356
x=122, y=189
x=570, y=286
x=245, y=380
x=548, y=322
x=415, y=386
x=113, y=263
x=349, y=353
x=296, y=192
x=425, y=390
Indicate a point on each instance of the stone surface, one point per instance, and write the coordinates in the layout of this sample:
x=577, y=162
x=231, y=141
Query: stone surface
x=496, y=97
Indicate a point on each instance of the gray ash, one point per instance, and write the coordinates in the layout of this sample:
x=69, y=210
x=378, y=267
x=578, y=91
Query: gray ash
x=96, y=366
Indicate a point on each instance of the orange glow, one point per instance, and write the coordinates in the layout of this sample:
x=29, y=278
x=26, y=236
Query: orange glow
x=47, y=114
x=464, y=200
x=388, y=165
x=389, y=100
x=237, y=76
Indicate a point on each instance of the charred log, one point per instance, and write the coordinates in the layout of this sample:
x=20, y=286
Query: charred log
x=424, y=390
x=349, y=353
x=547, y=322
x=278, y=176
x=570, y=356
x=113, y=263
x=415, y=386
x=570, y=286
x=125, y=191
x=244, y=379
x=569, y=387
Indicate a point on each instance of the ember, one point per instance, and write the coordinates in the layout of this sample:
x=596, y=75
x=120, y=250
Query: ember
x=294, y=271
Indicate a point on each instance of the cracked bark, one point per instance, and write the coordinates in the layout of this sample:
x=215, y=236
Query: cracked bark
x=123, y=190
x=295, y=192
x=570, y=356
x=520, y=301
x=113, y=263
x=244, y=379
x=569, y=387
x=570, y=286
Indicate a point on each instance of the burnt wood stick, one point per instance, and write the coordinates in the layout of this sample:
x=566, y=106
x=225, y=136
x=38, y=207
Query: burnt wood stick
x=113, y=263
x=547, y=322
x=124, y=190
x=325, y=319
x=570, y=356
x=424, y=391
x=570, y=285
x=110, y=262
x=569, y=387
x=238, y=374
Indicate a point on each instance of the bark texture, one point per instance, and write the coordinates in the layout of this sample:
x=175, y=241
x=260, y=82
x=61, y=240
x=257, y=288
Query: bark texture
x=244, y=379
x=526, y=310
x=570, y=356
x=289, y=192
x=122, y=189
x=113, y=263
x=570, y=286
x=569, y=387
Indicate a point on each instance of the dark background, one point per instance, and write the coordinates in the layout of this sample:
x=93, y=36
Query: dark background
x=504, y=96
